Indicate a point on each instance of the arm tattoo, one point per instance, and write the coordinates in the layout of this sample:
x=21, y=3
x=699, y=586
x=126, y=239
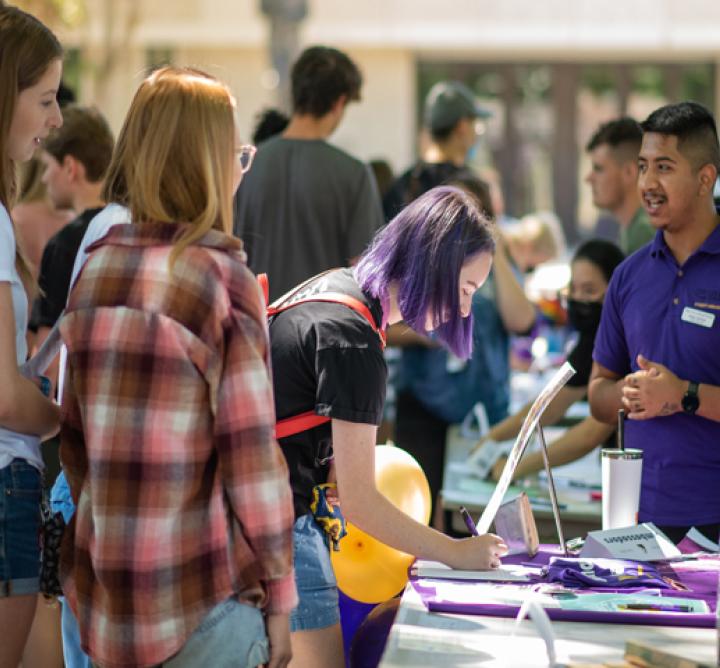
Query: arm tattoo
x=669, y=409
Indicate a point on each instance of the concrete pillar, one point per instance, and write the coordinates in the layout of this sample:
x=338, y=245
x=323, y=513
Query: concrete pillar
x=672, y=83
x=284, y=17
x=507, y=157
x=565, y=81
x=623, y=79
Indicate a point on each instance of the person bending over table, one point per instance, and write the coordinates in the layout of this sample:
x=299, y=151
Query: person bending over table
x=591, y=268
x=423, y=268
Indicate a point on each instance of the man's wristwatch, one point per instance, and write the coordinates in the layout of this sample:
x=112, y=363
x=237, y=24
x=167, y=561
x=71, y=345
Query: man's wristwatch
x=690, y=400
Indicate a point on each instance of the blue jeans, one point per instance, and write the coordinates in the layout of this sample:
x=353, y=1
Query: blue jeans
x=317, y=588
x=72, y=651
x=232, y=635
x=20, y=494
x=61, y=501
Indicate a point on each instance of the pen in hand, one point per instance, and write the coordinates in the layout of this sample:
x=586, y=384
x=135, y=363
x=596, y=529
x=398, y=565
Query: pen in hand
x=468, y=521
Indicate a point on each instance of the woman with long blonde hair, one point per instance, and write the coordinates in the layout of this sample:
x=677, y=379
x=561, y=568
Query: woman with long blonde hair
x=180, y=549
x=30, y=70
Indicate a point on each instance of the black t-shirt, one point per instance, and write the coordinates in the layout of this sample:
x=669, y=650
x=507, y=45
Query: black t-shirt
x=328, y=359
x=56, y=270
x=414, y=182
x=581, y=359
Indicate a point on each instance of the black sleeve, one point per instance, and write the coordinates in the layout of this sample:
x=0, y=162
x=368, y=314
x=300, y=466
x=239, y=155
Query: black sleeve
x=351, y=384
x=581, y=359
x=54, y=281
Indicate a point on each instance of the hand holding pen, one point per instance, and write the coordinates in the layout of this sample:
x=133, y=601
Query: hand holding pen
x=468, y=521
x=478, y=552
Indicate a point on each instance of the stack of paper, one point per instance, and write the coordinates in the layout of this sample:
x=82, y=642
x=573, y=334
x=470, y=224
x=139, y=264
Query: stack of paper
x=439, y=571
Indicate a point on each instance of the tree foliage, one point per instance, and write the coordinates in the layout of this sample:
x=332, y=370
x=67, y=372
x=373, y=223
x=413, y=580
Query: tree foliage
x=56, y=13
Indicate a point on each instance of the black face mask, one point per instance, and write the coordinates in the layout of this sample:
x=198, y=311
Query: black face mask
x=584, y=316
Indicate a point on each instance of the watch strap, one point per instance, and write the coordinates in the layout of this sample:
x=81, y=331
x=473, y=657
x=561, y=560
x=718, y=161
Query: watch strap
x=691, y=401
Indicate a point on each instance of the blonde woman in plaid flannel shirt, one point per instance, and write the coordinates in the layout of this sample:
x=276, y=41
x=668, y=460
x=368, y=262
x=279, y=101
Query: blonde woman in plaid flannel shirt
x=184, y=512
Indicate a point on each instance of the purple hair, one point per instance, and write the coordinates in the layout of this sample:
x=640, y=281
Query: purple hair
x=423, y=250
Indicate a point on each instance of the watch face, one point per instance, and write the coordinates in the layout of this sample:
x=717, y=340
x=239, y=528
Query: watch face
x=690, y=403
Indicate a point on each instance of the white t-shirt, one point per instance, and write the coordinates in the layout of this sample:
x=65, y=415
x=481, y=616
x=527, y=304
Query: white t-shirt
x=12, y=444
x=111, y=215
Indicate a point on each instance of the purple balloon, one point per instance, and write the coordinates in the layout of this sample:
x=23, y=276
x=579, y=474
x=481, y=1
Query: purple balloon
x=352, y=614
x=369, y=641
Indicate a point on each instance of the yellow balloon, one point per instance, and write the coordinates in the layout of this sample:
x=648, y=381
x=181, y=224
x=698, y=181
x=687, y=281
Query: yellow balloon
x=366, y=569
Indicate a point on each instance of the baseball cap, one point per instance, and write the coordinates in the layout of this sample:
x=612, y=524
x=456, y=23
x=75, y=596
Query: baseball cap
x=448, y=102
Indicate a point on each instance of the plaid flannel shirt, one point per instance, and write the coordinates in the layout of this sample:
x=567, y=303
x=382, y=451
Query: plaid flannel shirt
x=168, y=444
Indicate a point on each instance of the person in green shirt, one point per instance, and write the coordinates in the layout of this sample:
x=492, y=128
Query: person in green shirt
x=613, y=151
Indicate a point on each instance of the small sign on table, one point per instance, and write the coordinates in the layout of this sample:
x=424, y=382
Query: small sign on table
x=642, y=542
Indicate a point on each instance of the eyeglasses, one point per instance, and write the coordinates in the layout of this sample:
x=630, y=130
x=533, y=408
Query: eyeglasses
x=245, y=155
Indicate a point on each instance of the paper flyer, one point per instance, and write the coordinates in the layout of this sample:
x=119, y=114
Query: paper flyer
x=563, y=374
x=41, y=360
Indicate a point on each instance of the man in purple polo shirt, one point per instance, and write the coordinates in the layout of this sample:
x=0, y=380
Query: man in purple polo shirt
x=657, y=353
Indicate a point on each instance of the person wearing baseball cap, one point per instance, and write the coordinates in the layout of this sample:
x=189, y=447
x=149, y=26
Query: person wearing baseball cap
x=429, y=381
x=448, y=103
x=450, y=114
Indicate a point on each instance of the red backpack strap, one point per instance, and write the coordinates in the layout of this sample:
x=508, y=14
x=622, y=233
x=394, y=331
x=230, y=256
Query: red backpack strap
x=298, y=423
x=335, y=298
x=287, y=297
x=262, y=279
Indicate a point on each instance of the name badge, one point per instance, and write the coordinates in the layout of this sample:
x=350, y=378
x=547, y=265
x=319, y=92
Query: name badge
x=697, y=317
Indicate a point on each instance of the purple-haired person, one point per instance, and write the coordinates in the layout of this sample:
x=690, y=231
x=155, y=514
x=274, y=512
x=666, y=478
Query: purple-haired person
x=423, y=268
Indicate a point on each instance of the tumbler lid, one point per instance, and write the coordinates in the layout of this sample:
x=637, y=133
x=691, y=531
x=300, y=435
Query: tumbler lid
x=616, y=453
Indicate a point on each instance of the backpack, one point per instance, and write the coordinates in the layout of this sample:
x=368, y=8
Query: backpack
x=296, y=424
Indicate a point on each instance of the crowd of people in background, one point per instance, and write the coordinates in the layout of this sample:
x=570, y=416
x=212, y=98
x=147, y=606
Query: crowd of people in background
x=203, y=417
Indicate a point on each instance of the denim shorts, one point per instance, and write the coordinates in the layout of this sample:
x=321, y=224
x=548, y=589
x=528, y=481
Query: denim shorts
x=20, y=495
x=317, y=588
x=232, y=635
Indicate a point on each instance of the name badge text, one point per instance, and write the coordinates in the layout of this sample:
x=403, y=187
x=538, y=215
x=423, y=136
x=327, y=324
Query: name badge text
x=697, y=317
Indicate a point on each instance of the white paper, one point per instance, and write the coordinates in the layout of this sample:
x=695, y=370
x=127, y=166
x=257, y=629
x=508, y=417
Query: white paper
x=40, y=361
x=561, y=376
x=480, y=462
x=702, y=541
x=439, y=571
x=489, y=648
x=491, y=593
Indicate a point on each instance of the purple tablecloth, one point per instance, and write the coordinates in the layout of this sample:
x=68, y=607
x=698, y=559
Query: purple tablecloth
x=699, y=576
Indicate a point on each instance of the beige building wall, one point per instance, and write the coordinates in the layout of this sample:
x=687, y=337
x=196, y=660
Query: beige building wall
x=382, y=125
x=386, y=37
x=242, y=69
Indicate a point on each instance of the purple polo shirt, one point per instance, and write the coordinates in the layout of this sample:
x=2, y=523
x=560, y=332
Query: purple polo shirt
x=642, y=313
